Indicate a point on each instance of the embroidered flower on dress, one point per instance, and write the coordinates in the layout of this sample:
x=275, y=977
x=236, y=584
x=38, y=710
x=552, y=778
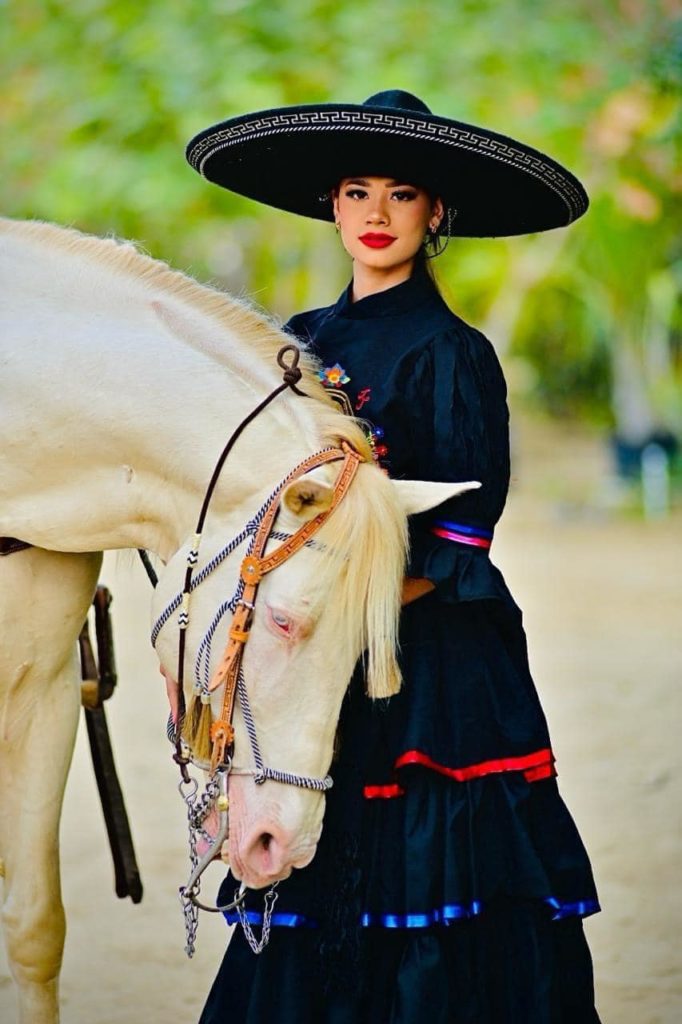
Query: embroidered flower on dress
x=375, y=436
x=334, y=376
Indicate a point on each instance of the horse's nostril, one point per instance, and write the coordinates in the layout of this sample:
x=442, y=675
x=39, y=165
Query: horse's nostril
x=269, y=852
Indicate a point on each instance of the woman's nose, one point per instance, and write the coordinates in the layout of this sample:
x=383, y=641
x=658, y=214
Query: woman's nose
x=377, y=215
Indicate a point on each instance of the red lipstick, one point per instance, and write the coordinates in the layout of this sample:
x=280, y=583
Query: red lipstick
x=376, y=240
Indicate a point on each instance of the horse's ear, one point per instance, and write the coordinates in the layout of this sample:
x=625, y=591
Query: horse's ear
x=421, y=495
x=306, y=498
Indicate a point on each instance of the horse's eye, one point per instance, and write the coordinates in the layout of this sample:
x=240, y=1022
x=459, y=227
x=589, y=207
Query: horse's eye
x=281, y=620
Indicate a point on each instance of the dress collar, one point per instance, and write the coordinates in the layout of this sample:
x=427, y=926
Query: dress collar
x=401, y=298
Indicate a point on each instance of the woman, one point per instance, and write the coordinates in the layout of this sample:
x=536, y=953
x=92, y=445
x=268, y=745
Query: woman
x=450, y=882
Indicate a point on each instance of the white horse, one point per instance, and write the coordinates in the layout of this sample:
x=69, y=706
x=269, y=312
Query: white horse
x=120, y=381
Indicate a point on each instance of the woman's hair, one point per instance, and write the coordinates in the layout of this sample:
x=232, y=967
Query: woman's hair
x=424, y=261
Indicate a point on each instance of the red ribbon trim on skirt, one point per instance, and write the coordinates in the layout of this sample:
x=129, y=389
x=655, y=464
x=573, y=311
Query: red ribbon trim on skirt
x=383, y=792
x=535, y=766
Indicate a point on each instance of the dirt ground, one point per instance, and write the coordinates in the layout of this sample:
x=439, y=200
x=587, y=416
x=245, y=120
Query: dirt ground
x=602, y=599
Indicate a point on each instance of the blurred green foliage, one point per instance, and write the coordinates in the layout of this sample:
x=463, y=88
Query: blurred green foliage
x=101, y=96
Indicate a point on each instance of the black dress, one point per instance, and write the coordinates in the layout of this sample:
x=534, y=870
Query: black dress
x=450, y=882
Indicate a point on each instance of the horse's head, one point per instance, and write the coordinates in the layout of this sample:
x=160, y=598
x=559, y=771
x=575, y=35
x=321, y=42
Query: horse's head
x=316, y=614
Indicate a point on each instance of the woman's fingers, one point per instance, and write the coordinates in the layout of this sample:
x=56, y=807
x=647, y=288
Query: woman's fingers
x=415, y=588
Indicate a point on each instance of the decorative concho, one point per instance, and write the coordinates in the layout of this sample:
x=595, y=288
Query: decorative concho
x=251, y=569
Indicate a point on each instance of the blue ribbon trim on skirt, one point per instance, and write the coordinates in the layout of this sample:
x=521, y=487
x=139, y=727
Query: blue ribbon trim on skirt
x=441, y=915
x=581, y=908
x=279, y=918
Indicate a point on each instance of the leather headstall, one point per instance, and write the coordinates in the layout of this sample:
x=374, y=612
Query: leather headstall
x=253, y=568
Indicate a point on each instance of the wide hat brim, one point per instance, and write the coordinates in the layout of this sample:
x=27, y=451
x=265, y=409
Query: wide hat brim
x=291, y=158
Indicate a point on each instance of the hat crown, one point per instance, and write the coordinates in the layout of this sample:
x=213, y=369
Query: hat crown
x=397, y=99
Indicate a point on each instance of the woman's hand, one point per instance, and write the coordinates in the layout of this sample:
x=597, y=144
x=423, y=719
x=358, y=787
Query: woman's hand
x=415, y=588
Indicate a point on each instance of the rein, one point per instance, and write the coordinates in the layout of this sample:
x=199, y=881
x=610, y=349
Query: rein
x=291, y=377
x=255, y=565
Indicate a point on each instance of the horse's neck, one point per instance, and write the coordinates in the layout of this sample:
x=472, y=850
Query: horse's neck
x=118, y=399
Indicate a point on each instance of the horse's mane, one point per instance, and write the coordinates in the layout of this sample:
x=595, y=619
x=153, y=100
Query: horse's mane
x=260, y=333
x=372, y=574
x=263, y=336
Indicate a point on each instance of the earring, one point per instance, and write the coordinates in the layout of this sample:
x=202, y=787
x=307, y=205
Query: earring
x=433, y=239
x=337, y=225
x=438, y=245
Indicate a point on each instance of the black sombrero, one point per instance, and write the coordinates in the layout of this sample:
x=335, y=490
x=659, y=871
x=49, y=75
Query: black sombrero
x=291, y=157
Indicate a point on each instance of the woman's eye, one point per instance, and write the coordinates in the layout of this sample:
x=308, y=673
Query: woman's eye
x=356, y=193
x=404, y=195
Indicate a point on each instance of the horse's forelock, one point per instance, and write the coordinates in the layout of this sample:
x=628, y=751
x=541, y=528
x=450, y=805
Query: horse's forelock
x=368, y=531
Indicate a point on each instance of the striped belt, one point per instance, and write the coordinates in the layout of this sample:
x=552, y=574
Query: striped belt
x=463, y=533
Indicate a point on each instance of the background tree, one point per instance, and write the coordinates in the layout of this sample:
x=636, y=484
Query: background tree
x=101, y=96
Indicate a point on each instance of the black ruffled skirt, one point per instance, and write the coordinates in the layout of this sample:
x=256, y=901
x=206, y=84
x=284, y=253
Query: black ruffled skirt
x=450, y=882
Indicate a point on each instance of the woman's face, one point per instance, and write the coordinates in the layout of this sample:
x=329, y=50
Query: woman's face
x=383, y=221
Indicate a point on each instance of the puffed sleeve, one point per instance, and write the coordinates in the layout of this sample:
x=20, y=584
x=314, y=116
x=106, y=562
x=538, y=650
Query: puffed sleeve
x=459, y=422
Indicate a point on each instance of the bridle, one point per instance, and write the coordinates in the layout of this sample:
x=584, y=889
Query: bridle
x=255, y=565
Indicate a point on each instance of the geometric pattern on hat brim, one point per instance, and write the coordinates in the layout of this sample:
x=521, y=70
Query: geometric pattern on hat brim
x=358, y=122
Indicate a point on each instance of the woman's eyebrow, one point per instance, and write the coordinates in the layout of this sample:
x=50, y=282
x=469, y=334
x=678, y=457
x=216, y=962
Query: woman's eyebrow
x=389, y=184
